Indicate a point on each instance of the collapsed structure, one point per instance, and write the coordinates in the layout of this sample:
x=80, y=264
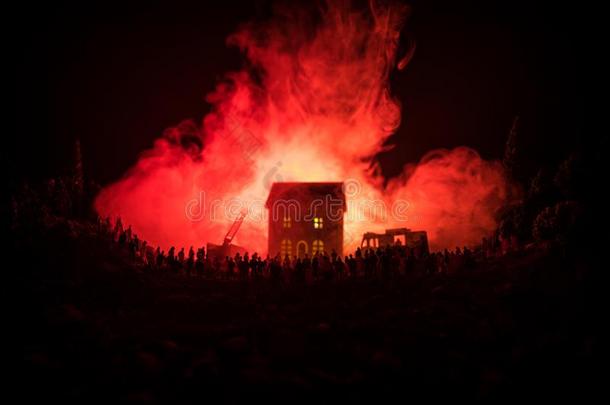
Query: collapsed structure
x=417, y=241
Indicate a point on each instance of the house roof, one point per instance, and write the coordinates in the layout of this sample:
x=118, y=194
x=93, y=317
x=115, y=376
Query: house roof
x=309, y=190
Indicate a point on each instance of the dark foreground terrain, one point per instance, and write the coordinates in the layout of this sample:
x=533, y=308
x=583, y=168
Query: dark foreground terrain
x=97, y=330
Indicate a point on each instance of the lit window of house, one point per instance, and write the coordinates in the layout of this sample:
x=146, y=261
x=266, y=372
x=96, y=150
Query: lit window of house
x=317, y=246
x=318, y=223
x=286, y=248
x=287, y=222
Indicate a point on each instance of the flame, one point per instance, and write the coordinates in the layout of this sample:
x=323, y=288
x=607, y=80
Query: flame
x=312, y=104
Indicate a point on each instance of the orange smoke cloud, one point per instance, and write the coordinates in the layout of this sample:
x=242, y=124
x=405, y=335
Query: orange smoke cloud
x=312, y=104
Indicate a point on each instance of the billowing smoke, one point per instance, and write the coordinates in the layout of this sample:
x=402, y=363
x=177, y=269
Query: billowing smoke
x=454, y=195
x=311, y=104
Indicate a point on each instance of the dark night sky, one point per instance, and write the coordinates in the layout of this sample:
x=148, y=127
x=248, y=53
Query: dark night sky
x=117, y=75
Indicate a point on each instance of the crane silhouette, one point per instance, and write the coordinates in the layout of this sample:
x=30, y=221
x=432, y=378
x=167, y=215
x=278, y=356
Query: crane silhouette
x=234, y=228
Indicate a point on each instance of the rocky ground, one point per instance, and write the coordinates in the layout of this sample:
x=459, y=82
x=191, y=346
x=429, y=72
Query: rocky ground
x=96, y=329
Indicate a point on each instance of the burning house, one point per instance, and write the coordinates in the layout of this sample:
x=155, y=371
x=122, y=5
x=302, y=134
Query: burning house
x=306, y=218
x=315, y=92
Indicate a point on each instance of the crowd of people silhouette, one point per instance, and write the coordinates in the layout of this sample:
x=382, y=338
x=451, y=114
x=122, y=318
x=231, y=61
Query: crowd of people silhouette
x=365, y=263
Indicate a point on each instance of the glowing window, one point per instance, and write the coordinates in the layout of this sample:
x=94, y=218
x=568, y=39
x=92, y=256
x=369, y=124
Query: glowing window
x=286, y=247
x=318, y=223
x=317, y=246
x=287, y=222
x=301, y=248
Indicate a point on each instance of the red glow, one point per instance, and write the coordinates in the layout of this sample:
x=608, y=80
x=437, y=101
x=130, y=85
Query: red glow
x=313, y=105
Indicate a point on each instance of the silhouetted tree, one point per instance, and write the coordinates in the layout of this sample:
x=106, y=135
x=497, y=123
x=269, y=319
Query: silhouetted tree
x=514, y=222
x=541, y=191
x=560, y=223
x=509, y=161
x=570, y=178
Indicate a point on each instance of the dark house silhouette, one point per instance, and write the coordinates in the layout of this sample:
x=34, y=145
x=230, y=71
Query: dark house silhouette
x=306, y=218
